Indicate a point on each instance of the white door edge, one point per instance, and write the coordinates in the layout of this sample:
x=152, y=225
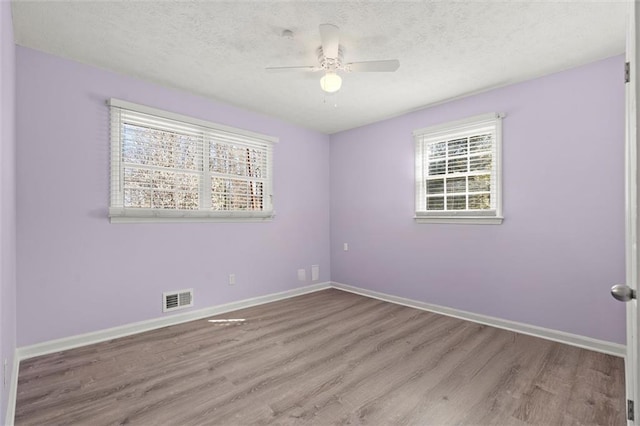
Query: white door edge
x=631, y=206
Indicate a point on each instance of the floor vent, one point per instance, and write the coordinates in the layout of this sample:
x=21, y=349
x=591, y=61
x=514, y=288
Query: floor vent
x=180, y=299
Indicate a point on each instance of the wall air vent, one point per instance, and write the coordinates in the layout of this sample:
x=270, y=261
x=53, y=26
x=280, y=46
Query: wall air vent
x=180, y=299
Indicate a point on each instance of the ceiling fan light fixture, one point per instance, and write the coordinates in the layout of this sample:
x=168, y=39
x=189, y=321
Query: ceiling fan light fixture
x=331, y=82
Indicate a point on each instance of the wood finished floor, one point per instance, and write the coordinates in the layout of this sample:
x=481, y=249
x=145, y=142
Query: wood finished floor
x=328, y=357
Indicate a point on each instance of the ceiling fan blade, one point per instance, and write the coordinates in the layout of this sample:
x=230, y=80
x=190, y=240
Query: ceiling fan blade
x=330, y=36
x=374, y=66
x=286, y=69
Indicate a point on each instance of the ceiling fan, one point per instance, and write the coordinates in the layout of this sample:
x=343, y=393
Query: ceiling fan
x=330, y=60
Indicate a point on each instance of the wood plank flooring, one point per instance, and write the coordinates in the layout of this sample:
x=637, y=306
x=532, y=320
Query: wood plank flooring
x=328, y=357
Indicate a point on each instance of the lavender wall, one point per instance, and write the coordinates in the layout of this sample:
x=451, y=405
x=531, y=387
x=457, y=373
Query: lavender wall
x=7, y=199
x=561, y=246
x=550, y=264
x=79, y=273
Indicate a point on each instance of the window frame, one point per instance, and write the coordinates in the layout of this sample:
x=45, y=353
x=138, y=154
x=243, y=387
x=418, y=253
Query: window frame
x=120, y=214
x=451, y=130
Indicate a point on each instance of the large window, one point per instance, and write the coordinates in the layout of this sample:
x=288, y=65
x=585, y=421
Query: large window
x=458, y=176
x=168, y=167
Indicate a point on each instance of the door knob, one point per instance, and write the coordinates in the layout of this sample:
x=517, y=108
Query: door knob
x=623, y=293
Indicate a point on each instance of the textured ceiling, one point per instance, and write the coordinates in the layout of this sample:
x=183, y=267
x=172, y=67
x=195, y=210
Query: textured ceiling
x=219, y=49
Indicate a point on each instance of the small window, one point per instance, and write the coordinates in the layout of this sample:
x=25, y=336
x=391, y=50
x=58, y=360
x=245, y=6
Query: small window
x=168, y=167
x=458, y=171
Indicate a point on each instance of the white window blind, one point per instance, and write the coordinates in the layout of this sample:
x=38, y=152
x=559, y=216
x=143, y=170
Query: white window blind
x=165, y=166
x=458, y=171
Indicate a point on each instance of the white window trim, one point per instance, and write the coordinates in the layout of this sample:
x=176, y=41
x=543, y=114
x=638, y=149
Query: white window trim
x=462, y=217
x=119, y=214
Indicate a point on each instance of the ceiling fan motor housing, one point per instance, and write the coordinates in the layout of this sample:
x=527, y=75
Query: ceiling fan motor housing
x=332, y=64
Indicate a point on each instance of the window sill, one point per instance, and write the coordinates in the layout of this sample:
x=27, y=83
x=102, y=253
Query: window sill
x=125, y=219
x=461, y=220
x=117, y=215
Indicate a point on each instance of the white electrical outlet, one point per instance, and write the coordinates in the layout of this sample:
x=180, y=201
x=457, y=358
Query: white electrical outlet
x=232, y=279
x=345, y=246
x=302, y=275
x=315, y=272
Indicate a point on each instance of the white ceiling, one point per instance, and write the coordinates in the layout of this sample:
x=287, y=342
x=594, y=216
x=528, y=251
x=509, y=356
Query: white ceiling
x=446, y=49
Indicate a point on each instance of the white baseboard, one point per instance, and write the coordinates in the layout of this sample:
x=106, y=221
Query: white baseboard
x=139, y=327
x=13, y=389
x=71, y=342
x=531, y=330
